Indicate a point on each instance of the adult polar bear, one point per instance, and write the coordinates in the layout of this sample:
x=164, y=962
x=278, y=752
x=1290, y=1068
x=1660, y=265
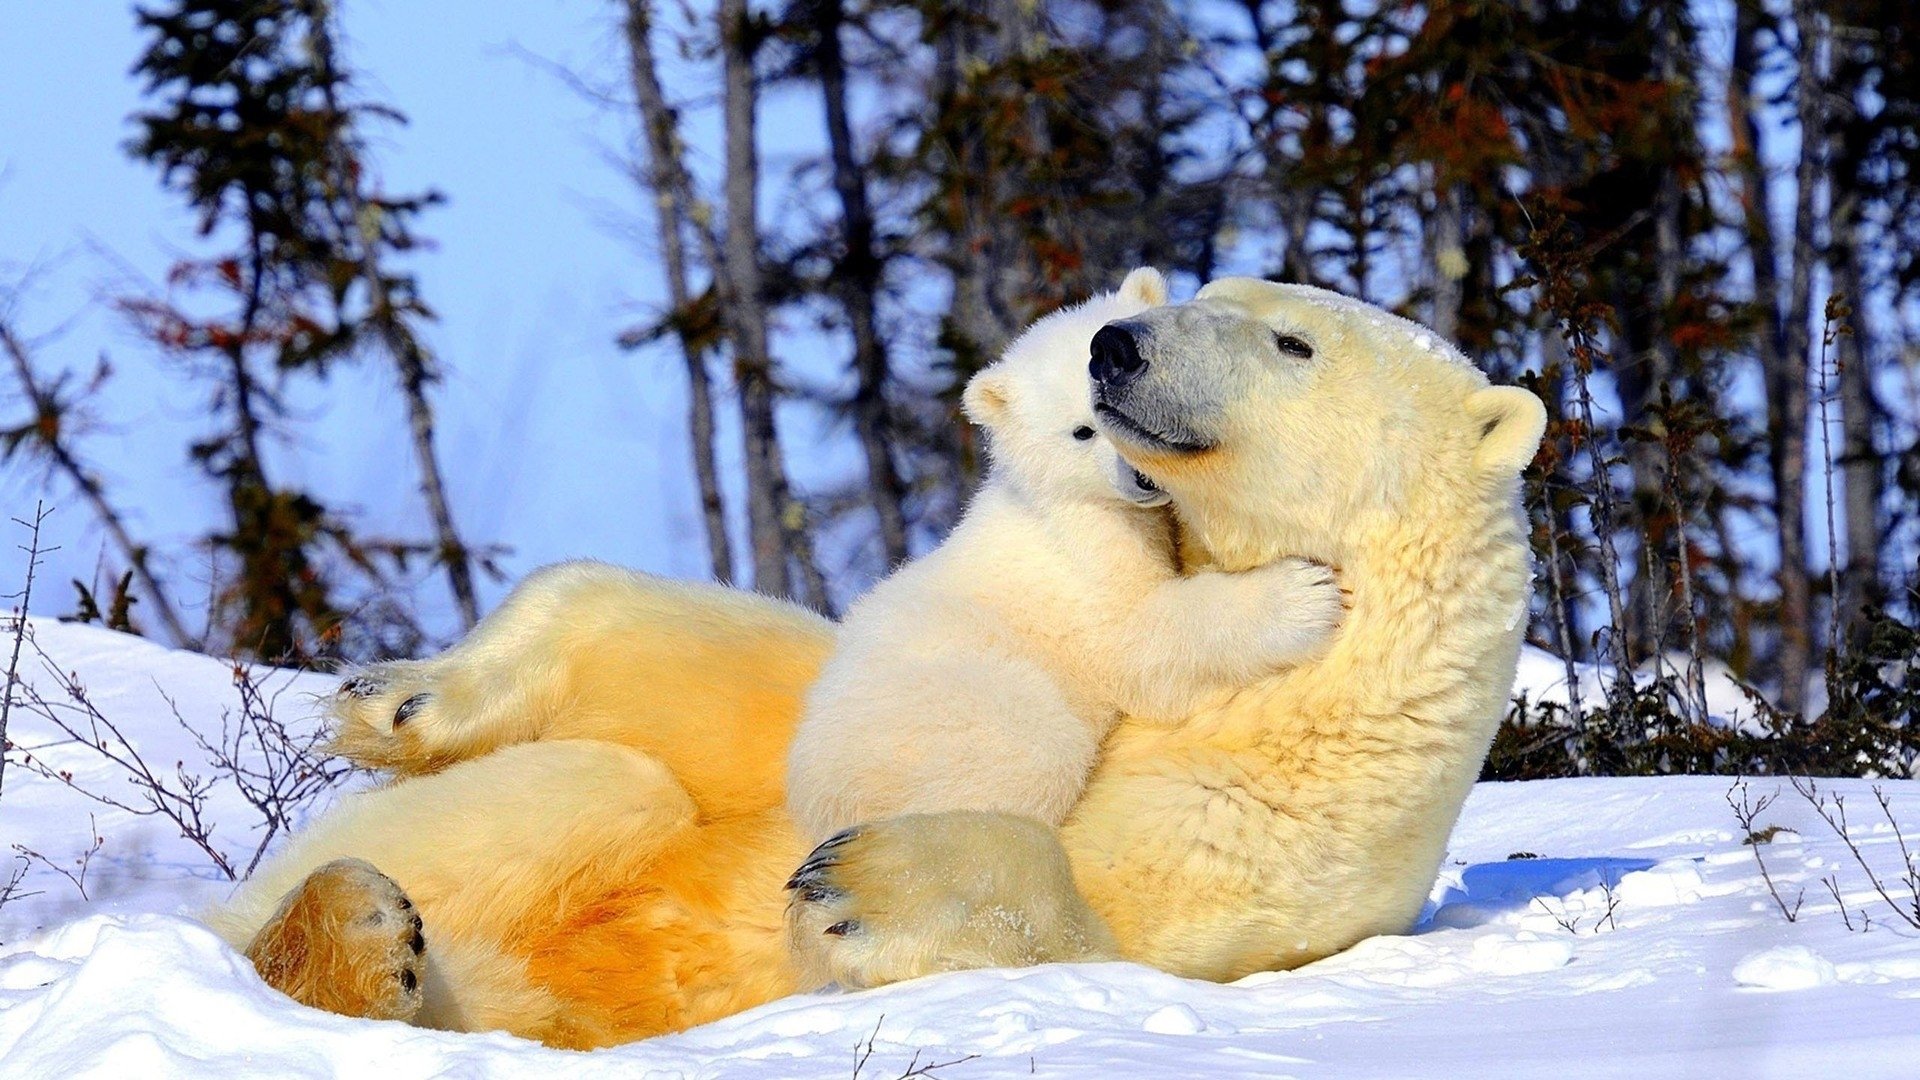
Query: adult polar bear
x=615, y=871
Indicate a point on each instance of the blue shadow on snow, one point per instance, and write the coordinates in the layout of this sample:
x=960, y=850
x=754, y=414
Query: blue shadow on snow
x=1486, y=889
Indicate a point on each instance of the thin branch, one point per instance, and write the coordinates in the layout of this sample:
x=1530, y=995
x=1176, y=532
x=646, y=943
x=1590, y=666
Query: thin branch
x=47, y=436
x=1745, y=812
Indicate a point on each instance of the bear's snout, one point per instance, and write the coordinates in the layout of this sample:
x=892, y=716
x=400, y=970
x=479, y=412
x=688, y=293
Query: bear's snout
x=1116, y=356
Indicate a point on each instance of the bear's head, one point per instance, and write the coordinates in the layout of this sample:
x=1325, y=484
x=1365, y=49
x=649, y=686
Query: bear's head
x=1036, y=409
x=1285, y=419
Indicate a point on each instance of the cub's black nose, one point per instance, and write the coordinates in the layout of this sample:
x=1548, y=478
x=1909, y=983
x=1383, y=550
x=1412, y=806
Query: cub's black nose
x=1116, y=356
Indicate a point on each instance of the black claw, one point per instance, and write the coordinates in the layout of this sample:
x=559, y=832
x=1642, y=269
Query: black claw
x=814, y=869
x=419, y=942
x=360, y=686
x=408, y=980
x=818, y=894
x=839, y=839
x=408, y=707
x=843, y=928
x=822, y=858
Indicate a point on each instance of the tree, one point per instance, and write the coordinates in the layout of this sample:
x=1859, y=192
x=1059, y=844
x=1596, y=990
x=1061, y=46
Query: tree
x=677, y=210
x=248, y=126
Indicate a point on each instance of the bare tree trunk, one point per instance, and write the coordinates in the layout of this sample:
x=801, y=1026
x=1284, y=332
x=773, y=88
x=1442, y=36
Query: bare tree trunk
x=1787, y=384
x=1859, y=462
x=771, y=525
x=674, y=210
x=413, y=363
x=1783, y=343
x=857, y=280
x=416, y=371
x=47, y=410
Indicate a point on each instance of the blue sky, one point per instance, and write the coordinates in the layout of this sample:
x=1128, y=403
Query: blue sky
x=557, y=443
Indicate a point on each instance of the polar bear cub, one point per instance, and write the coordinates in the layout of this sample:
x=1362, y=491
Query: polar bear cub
x=984, y=675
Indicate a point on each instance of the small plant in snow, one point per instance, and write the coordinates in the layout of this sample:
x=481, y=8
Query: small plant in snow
x=1902, y=894
x=275, y=768
x=77, y=877
x=1746, y=810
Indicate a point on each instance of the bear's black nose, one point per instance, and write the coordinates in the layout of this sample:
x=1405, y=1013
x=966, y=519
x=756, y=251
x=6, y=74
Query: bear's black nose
x=1116, y=356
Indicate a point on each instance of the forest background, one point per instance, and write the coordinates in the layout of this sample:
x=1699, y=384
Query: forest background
x=715, y=273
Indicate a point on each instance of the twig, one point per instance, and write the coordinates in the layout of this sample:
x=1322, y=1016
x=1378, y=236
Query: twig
x=1745, y=811
x=914, y=1068
x=1836, y=819
x=47, y=438
x=1912, y=874
x=861, y=1054
x=1613, y=903
x=292, y=769
x=83, y=861
x=11, y=890
x=32, y=548
x=1569, y=923
x=1832, y=882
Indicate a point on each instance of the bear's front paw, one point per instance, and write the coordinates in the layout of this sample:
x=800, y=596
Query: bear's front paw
x=922, y=893
x=1304, y=606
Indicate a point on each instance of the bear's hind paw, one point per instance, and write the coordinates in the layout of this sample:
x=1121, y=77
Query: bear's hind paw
x=346, y=940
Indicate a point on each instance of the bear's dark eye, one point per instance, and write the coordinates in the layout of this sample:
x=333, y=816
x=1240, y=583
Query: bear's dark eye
x=1293, y=346
x=1083, y=433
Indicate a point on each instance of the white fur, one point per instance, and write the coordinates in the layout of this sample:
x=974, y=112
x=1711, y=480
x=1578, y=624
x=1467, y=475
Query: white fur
x=985, y=675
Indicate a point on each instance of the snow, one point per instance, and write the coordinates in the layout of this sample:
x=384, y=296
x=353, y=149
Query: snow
x=1634, y=937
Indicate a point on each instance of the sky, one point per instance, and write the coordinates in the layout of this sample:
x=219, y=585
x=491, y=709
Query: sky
x=557, y=444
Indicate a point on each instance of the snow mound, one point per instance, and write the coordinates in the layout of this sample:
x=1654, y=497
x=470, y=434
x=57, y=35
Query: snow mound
x=1629, y=933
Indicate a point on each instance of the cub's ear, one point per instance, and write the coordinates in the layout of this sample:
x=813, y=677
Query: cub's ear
x=986, y=398
x=1145, y=285
x=1511, y=422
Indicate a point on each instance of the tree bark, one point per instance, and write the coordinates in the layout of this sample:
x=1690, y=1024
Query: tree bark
x=412, y=361
x=1787, y=384
x=1860, y=462
x=1783, y=341
x=772, y=526
x=857, y=281
x=674, y=210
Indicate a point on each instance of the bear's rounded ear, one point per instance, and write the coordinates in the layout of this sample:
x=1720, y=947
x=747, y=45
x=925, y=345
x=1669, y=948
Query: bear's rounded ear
x=1145, y=285
x=986, y=397
x=1511, y=421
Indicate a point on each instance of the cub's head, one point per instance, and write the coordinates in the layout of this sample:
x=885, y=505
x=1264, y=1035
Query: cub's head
x=1289, y=419
x=1038, y=414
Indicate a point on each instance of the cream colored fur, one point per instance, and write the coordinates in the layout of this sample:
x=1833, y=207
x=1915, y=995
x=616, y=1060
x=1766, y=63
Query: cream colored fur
x=984, y=675
x=570, y=895
x=1309, y=811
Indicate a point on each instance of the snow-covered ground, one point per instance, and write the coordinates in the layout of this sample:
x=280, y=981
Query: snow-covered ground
x=1517, y=969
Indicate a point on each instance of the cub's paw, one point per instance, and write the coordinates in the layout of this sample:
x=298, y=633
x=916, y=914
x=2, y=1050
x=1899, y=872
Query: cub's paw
x=378, y=715
x=346, y=940
x=1305, y=606
x=923, y=893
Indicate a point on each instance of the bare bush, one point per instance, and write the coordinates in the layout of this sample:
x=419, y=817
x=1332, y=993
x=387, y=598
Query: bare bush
x=275, y=768
x=81, y=863
x=1902, y=896
x=1746, y=811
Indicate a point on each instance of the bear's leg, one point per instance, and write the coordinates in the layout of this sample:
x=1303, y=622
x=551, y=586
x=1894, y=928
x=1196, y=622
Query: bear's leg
x=912, y=895
x=346, y=940
x=485, y=850
x=487, y=691
x=586, y=650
